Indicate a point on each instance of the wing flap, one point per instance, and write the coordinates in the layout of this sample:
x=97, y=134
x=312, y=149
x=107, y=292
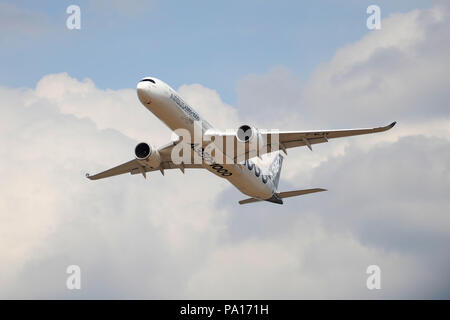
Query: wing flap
x=300, y=142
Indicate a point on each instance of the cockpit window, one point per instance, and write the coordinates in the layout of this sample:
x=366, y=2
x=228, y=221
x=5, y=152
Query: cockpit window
x=151, y=80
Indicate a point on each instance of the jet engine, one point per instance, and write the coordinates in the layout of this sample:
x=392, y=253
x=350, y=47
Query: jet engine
x=245, y=133
x=147, y=155
x=249, y=141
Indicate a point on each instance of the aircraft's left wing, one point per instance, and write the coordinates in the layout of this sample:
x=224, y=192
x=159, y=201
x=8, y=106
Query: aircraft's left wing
x=291, y=139
x=283, y=140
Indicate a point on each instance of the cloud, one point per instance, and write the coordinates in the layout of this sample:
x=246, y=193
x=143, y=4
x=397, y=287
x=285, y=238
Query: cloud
x=51, y=215
x=184, y=236
x=209, y=104
x=260, y=97
x=121, y=110
x=397, y=73
x=387, y=206
x=118, y=109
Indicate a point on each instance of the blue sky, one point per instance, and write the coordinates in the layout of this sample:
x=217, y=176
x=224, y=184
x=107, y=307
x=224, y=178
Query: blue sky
x=213, y=43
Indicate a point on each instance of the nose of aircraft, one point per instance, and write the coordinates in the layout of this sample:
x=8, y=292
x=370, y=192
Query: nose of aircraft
x=143, y=92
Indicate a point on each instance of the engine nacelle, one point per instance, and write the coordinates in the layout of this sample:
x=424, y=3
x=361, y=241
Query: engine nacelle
x=249, y=141
x=245, y=133
x=147, y=155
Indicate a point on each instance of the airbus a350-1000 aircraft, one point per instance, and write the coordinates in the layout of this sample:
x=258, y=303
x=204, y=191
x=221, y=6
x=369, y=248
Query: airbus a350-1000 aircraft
x=236, y=154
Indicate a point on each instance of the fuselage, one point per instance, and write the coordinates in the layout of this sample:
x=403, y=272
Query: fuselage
x=166, y=104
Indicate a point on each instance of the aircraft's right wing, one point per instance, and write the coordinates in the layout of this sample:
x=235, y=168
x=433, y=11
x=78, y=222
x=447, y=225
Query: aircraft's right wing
x=134, y=167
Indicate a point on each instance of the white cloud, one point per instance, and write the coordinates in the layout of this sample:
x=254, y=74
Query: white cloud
x=396, y=73
x=118, y=109
x=209, y=104
x=49, y=210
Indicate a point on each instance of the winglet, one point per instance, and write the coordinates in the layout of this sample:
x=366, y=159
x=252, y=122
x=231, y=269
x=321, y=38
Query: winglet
x=386, y=128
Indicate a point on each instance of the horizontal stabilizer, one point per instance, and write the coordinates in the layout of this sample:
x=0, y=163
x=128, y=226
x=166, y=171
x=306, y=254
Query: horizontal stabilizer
x=281, y=195
x=249, y=200
x=295, y=193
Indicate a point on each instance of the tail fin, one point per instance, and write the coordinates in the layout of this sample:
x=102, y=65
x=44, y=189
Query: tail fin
x=275, y=169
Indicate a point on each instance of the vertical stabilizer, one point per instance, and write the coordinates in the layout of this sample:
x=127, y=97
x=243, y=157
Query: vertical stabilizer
x=275, y=169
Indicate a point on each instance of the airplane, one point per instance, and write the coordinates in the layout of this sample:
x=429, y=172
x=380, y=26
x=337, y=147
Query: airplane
x=243, y=166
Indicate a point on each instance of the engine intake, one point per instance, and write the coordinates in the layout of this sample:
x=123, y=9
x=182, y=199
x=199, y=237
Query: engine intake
x=245, y=133
x=142, y=150
x=249, y=142
x=147, y=156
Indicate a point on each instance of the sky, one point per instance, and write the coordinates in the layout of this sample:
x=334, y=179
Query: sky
x=68, y=106
x=209, y=42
